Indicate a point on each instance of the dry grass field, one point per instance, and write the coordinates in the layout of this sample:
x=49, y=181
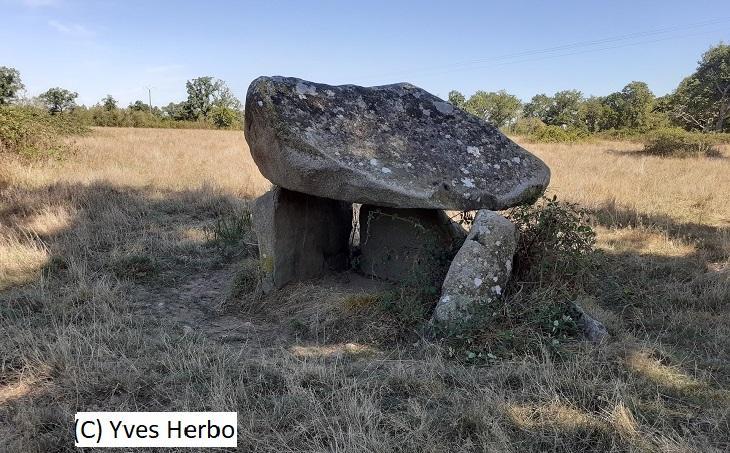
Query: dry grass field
x=125, y=284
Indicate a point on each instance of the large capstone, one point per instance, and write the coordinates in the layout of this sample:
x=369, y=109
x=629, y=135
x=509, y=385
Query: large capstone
x=392, y=145
x=406, y=244
x=300, y=236
x=480, y=270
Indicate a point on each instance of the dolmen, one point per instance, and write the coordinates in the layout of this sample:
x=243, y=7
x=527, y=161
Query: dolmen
x=405, y=156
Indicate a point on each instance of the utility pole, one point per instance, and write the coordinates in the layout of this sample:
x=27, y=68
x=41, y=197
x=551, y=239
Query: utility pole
x=149, y=97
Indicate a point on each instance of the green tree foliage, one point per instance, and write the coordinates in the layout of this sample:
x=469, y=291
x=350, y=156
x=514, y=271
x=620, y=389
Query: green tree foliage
x=139, y=106
x=34, y=132
x=637, y=106
x=634, y=107
x=564, y=109
x=205, y=93
x=224, y=117
x=210, y=104
x=175, y=111
x=200, y=97
x=499, y=108
x=58, y=100
x=108, y=103
x=612, y=115
x=456, y=99
x=538, y=107
x=10, y=85
x=702, y=100
x=593, y=113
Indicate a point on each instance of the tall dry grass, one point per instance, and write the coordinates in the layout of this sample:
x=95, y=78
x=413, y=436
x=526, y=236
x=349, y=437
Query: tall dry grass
x=693, y=190
x=116, y=293
x=156, y=158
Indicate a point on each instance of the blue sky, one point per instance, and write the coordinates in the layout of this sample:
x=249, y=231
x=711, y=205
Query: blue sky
x=524, y=47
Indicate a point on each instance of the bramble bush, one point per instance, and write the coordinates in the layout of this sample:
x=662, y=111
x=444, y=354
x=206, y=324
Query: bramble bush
x=553, y=257
x=33, y=132
x=555, y=241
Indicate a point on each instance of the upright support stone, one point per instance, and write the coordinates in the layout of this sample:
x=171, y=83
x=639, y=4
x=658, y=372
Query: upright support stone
x=481, y=268
x=396, y=244
x=300, y=236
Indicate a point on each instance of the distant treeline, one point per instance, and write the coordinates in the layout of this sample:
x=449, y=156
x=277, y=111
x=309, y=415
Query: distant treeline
x=210, y=104
x=698, y=106
x=700, y=103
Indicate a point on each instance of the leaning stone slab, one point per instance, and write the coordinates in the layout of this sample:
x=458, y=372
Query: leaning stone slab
x=480, y=270
x=405, y=244
x=300, y=236
x=392, y=145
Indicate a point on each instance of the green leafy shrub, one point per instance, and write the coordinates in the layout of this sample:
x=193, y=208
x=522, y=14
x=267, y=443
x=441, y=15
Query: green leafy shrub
x=225, y=117
x=101, y=117
x=34, y=132
x=556, y=134
x=621, y=134
x=535, y=131
x=555, y=241
x=675, y=142
x=526, y=126
x=552, y=258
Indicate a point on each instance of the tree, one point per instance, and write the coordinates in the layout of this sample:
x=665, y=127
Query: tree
x=614, y=111
x=499, y=108
x=200, y=97
x=702, y=100
x=224, y=97
x=637, y=106
x=10, y=85
x=593, y=112
x=58, y=99
x=565, y=108
x=538, y=107
x=139, y=106
x=206, y=92
x=175, y=111
x=109, y=103
x=456, y=99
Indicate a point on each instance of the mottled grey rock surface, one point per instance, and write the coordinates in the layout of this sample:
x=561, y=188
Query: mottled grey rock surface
x=392, y=145
x=593, y=329
x=480, y=270
x=405, y=244
x=300, y=236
